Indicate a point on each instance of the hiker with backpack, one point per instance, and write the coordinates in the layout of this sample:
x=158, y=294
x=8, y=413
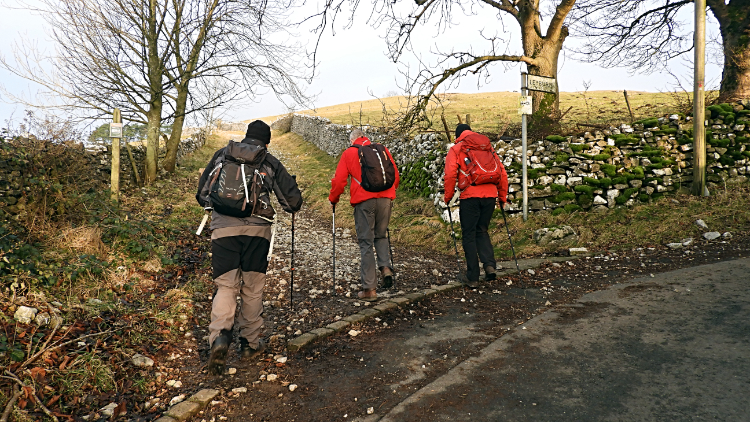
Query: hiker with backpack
x=473, y=168
x=373, y=189
x=236, y=187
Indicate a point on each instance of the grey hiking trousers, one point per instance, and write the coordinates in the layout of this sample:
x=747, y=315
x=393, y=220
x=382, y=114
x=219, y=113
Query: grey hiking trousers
x=371, y=220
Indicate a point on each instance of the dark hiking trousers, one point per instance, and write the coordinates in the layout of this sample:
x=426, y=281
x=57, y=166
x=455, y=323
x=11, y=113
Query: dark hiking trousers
x=240, y=264
x=476, y=214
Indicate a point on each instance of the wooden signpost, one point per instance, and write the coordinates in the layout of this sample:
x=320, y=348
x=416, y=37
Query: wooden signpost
x=530, y=83
x=115, y=132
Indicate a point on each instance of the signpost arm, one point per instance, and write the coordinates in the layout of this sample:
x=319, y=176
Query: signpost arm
x=524, y=158
x=115, y=171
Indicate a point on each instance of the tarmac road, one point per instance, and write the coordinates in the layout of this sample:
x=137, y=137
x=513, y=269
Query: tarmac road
x=674, y=347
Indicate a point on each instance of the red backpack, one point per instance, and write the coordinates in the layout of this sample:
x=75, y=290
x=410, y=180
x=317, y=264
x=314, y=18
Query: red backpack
x=481, y=164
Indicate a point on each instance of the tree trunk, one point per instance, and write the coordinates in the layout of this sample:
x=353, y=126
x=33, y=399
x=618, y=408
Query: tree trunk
x=170, y=161
x=735, y=78
x=545, y=52
x=153, y=130
x=734, y=24
x=155, y=74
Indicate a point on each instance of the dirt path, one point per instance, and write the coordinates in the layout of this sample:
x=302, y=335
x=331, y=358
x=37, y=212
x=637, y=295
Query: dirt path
x=402, y=352
x=396, y=354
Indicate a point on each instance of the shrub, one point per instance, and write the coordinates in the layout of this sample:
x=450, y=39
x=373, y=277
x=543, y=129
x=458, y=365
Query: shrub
x=590, y=181
x=571, y=208
x=648, y=123
x=558, y=188
x=565, y=196
x=609, y=169
x=556, y=138
x=588, y=190
x=620, y=180
x=726, y=160
x=729, y=118
x=727, y=108
x=561, y=157
x=715, y=111
x=622, y=139
x=585, y=200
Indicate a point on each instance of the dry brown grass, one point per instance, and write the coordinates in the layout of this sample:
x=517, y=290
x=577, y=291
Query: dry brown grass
x=492, y=111
x=82, y=240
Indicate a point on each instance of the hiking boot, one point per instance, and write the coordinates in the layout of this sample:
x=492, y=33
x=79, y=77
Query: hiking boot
x=466, y=282
x=247, y=352
x=217, y=360
x=489, y=273
x=368, y=295
x=387, y=277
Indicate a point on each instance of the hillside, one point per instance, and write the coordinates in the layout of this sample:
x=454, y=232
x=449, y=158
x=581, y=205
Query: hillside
x=490, y=111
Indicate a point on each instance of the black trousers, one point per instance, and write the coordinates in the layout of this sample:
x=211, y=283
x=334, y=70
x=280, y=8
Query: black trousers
x=476, y=214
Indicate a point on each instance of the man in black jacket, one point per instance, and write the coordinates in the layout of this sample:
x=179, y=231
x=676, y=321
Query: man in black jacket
x=239, y=249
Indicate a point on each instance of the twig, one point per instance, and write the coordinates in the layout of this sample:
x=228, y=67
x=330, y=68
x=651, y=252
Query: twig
x=593, y=125
x=566, y=112
x=9, y=406
x=13, y=376
x=54, y=329
x=31, y=359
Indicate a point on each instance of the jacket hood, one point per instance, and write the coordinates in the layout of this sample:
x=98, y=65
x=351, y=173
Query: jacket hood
x=361, y=141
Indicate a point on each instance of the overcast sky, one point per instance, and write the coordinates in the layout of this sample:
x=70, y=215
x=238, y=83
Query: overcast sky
x=352, y=63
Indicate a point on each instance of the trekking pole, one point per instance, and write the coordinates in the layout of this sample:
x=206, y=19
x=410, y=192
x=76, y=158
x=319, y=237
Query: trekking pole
x=390, y=250
x=291, y=284
x=455, y=245
x=510, y=240
x=333, y=232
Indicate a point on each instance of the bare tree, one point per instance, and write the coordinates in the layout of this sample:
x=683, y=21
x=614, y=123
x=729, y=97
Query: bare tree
x=645, y=34
x=142, y=56
x=239, y=46
x=108, y=54
x=539, y=48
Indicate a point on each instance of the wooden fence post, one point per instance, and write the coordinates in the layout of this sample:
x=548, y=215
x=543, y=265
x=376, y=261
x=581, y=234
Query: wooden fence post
x=115, y=170
x=627, y=101
x=445, y=125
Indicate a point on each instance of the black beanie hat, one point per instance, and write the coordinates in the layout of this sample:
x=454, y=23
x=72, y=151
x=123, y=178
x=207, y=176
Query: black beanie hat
x=460, y=128
x=259, y=130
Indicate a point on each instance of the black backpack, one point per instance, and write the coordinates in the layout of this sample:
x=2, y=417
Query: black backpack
x=378, y=171
x=235, y=186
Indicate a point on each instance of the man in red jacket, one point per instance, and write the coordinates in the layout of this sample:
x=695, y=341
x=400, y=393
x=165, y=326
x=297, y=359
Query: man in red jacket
x=372, y=213
x=476, y=206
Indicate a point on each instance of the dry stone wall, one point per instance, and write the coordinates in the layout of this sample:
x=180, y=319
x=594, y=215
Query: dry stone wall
x=17, y=172
x=616, y=166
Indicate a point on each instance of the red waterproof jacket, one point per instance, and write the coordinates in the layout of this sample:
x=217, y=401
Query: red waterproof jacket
x=455, y=160
x=349, y=167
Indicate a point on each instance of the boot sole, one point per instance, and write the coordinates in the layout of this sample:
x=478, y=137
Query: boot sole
x=388, y=282
x=217, y=361
x=247, y=354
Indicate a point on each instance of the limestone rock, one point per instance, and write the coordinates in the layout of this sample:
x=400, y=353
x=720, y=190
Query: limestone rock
x=555, y=236
x=25, y=314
